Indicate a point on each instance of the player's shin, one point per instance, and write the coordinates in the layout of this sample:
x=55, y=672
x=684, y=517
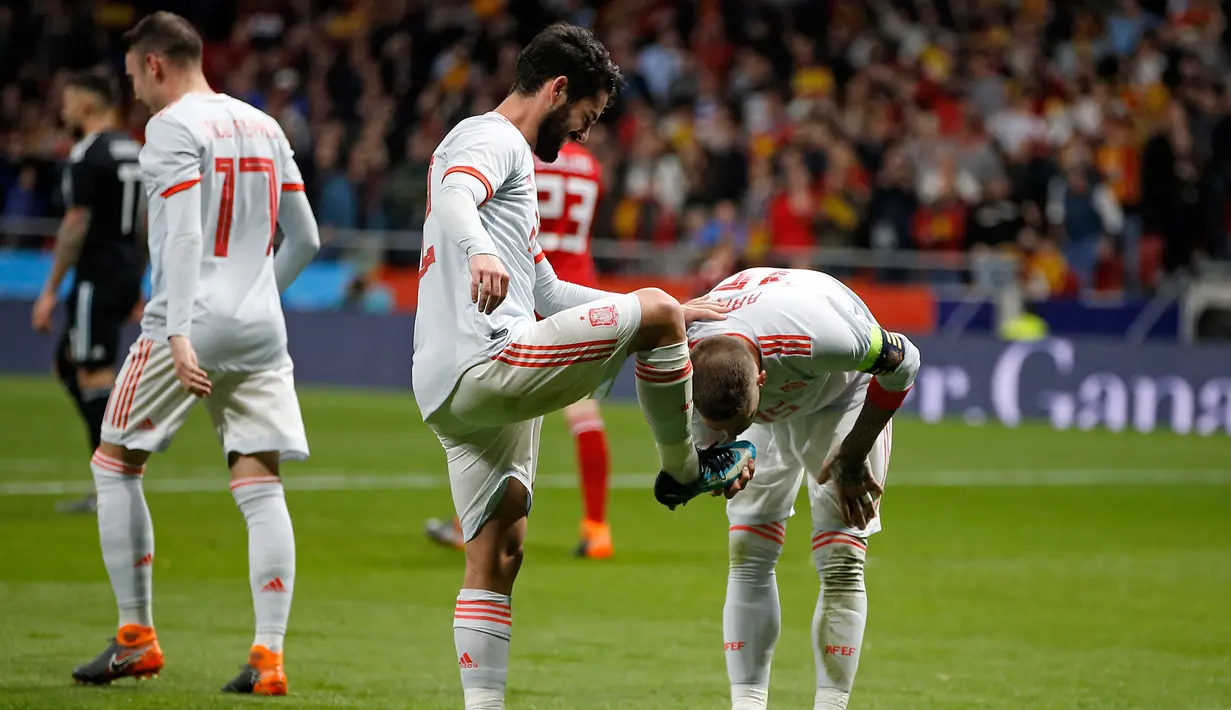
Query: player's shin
x=126, y=535
x=752, y=616
x=482, y=627
x=840, y=617
x=271, y=555
x=664, y=390
x=593, y=461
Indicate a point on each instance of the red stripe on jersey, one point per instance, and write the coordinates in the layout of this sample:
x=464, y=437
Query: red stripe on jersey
x=513, y=352
x=558, y=361
x=292, y=187
x=187, y=184
x=539, y=257
x=566, y=346
x=472, y=172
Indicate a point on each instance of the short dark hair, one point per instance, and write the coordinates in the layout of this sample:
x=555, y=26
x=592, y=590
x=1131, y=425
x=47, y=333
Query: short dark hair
x=98, y=82
x=722, y=380
x=569, y=51
x=167, y=34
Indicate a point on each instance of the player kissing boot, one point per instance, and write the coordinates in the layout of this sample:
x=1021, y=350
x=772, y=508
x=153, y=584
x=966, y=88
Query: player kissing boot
x=595, y=540
x=721, y=465
x=261, y=675
x=132, y=653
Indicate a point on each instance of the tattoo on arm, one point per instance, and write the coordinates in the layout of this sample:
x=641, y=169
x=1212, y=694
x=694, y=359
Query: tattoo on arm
x=69, y=238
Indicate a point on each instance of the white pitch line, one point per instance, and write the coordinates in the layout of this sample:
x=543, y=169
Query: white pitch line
x=342, y=480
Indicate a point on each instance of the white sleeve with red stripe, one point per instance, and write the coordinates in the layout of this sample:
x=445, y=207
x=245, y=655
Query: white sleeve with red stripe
x=292, y=179
x=551, y=295
x=171, y=163
x=171, y=157
x=473, y=164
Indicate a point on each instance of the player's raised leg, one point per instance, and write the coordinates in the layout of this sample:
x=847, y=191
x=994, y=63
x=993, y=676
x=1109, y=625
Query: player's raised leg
x=664, y=382
x=585, y=423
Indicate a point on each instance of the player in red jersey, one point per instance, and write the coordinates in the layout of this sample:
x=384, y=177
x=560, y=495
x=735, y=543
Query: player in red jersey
x=569, y=190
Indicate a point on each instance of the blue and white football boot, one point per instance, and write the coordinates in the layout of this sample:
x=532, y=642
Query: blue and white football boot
x=721, y=465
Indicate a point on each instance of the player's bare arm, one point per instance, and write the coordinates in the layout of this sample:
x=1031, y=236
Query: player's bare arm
x=894, y=361
x=69, y=238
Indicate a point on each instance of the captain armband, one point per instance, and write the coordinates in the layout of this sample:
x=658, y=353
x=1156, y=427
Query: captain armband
x=885, y=354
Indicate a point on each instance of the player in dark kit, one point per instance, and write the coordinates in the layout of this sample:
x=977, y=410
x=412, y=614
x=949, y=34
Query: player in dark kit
x=103, y=236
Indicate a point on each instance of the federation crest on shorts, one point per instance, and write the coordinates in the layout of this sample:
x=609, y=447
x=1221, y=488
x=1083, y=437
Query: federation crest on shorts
x=604, y=316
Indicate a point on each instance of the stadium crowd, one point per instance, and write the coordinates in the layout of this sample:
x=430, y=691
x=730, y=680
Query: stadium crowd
x=1091, y=141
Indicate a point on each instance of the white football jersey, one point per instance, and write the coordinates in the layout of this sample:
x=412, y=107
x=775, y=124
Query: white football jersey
x=815, y=336
x=242, y=161
x=451, y=334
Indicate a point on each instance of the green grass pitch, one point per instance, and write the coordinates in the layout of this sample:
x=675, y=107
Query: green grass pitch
x=1019, y=569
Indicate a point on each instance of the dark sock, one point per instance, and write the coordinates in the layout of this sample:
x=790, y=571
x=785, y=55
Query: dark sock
x=93, y=408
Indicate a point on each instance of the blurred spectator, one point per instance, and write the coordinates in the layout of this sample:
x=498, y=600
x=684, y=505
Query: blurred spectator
x=799, y=125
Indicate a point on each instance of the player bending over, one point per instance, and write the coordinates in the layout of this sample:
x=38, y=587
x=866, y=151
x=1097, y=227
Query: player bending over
x=800, y=368
x=485, y=371
x=568, y=192
x=102, y=235
x=219, y=178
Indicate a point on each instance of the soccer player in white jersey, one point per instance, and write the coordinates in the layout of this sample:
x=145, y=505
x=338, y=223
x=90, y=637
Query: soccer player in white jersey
x=220, y=179
x=485, y=371
x=801, y=368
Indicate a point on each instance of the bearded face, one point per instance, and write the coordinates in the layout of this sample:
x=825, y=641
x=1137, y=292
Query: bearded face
x=553, y=132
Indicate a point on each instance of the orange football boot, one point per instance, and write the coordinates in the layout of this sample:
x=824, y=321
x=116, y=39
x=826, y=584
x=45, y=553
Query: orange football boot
x=595, y=540
x=261, y=675
x=133, y=653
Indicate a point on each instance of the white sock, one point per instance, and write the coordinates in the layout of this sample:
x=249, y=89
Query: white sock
x=271, y=556
x=840, y=617
x=126, y=535
x=664, y=391
x=752, y=616
x=482, y=627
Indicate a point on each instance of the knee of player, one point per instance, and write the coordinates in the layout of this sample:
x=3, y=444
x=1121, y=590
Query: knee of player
x=755, y=549
x=840, y=565
x=659, y=309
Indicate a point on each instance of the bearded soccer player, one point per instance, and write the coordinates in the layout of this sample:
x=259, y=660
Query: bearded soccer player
x=220, y=179
x=568, y=194
x=486, y=371
x=102, y=237
x=801, y=368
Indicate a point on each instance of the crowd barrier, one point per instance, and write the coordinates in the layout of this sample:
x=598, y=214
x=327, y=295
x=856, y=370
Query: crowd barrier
x=1071, y=383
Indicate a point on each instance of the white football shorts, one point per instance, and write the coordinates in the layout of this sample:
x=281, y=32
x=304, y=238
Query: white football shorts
x=794, y=450
x=489, y=426
x=251, y=411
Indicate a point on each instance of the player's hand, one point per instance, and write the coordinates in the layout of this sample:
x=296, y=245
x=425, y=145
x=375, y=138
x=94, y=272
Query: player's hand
x=44, y=307
x=489, y=282
x=705, y=308
x=190, y=375
x=740, y=484
x=857, y=489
